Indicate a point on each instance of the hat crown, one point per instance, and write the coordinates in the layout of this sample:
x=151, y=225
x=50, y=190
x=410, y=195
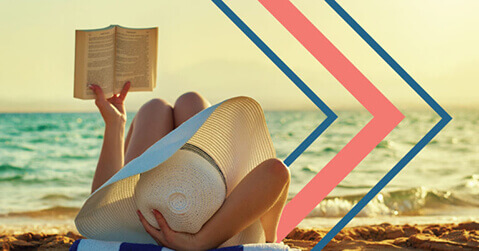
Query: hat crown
x=186, y=189
x=178, y=203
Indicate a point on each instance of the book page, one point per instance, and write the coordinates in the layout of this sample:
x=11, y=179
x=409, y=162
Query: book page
x=94, y=61
x=136, y=58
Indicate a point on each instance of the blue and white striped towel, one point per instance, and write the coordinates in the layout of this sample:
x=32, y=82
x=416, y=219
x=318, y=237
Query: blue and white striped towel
x=90, y=244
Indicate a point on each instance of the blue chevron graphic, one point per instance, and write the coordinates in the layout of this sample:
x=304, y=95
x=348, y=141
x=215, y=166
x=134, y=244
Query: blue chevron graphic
x=445, y=119
x=330, y=115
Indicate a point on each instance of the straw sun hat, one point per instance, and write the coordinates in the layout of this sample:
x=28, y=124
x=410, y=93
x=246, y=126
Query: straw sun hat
x=186, y=176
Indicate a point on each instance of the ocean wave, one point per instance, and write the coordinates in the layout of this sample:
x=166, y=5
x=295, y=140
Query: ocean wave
x=11, y=173
x=92, y=136
x=385, y=144
x=26, y=179
x=10, y=168
x=55, y=212
x=308, y=169
x=330, y=149
x=51, y=197
x=412, y=201
x=26, y=175
x=3, y=140
x=47, y=139
x=38, y=128
x=469, y=182
x=73, y=156
x=10, y=146
x=11, y=178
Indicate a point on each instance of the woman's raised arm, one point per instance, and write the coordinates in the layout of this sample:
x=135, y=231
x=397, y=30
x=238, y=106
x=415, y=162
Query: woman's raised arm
x=112, y=153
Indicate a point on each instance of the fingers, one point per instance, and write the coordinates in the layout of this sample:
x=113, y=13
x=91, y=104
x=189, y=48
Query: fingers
x=165, y=229
x=124, y=91
x=97, y=90
x=161, y=222
x=153, y=232
x=149, y=228
x=100, y=96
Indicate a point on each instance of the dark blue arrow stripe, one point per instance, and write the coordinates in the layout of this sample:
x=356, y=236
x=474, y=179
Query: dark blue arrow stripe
x=330, y=115
x=445, y=118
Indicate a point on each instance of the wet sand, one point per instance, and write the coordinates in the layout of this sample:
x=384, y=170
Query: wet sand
x=463, y=236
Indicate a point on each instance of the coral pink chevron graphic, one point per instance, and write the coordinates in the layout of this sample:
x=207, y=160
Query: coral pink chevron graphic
x=385, y=115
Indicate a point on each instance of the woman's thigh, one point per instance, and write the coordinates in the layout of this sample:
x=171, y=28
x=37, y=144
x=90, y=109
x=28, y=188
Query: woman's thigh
x=153, y=121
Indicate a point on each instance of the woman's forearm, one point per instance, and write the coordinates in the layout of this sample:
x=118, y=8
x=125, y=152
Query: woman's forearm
x=112, y=154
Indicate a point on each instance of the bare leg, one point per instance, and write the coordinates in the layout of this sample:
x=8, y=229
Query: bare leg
x=188, y=105
x=270, y=219
x=153, y=121
x=157, y=119
x=255, y=197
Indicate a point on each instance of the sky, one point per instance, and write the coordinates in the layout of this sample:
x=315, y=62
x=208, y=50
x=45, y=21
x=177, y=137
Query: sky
x=201, y=50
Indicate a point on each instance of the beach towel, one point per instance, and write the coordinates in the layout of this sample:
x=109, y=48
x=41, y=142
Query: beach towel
x=90, y=244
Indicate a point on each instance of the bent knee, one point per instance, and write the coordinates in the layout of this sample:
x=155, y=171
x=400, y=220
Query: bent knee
x=278, y=169
x=155, y=106
x=190, y=99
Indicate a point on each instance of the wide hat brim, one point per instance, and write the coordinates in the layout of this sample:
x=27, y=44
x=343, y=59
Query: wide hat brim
x=233, y=133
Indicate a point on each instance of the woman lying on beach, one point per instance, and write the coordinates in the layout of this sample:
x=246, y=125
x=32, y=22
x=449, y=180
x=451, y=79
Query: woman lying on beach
x=261, y=194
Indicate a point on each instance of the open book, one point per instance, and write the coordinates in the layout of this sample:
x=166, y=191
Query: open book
x=111, y=56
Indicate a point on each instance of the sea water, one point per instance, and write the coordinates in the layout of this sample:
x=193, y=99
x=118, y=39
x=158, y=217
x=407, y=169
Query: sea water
x=47, y=162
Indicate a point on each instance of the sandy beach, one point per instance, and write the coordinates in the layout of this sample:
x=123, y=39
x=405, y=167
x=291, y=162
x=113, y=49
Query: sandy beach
x=462, y=236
